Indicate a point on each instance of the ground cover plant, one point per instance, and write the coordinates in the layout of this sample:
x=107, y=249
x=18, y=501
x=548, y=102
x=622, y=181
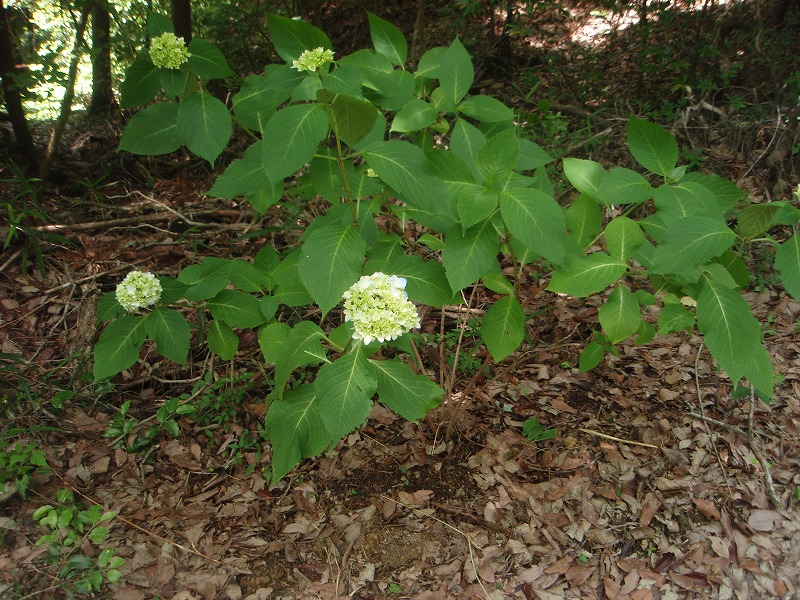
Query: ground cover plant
x=386, y=146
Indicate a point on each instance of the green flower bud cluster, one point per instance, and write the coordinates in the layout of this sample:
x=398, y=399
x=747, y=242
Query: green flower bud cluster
x=168, y=51
x=311, y=60
x=138, y=290
x=379, y=308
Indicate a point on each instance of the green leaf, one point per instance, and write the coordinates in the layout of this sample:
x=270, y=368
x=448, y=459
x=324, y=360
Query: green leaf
x=468, y=256
x=624, y=186
x=118, y=347
x=141, y=84
x=498, y=283
x=98, y=534
x=207, y=61
x=331, y=262
x=301, y=348
x=591, y=356
x=344, y=393
x=353, y=118
x=503, y=327
x=271, y=339
x=683, y=200
x=584, y=276
x=237, y=309
x=674, y=317
x=388, y=39
x=620, y=316
x=158, y=24
x=536, y=220
x=345, y=80
x=486, y=109
x=109, y=308
x=466, y=142
x=456, y=73
x=171, y=333
x=531, y=156
x=690, y=242
x=787, y=261
x=498, y=156
x=653, y=147
x=586, y=176
x=755, y=219
x=416, y=114
x=152, y=131
x=206, y=279
x=243, y=176
x=733, y=335
x=623, y=238
x=535, y=431
x=295, y=430
x=475, y=203
x=426, y=282
x=291, y=38
x=222, y=340
x=584, y=219
x=409, y=395
x=256, y=101
x=174, y=81
x=204, y=125
x=429, y=64
x=404, y=167
x=726, y=192
x=289, y=288
x=291, y=137
x=246, y=276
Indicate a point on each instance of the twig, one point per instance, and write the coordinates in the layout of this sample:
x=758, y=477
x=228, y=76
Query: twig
x=702, y=412
x=768, y=483
x=764, y=153
x=616, y=439
x=124, y=221
x=474, y=519
x=11, y=259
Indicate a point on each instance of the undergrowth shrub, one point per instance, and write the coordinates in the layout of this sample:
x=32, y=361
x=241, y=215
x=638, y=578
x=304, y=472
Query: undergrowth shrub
x=436, y=188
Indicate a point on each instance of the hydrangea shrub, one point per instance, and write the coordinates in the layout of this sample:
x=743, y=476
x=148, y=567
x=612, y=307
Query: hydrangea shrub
x=430, y=191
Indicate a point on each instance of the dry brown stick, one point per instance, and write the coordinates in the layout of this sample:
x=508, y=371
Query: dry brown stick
x=123, y=221
x=474, y=519
x=768, y=483
x=616, y=439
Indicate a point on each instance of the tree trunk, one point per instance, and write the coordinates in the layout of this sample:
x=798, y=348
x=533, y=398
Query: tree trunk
x=8, y=71
x=69, y=96
x=103, y=102
x=182, y=19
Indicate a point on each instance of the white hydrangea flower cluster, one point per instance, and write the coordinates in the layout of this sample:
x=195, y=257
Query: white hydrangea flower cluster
x=168, y=51
x=379, y=308
x=138, y=290
x=311, y=60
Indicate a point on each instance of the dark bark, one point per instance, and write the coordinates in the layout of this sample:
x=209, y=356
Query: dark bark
x=103, y=101
x=13, y=99
x=182, y=19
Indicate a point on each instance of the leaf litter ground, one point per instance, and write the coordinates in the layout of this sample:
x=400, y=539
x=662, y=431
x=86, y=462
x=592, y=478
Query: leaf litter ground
x=646, y=491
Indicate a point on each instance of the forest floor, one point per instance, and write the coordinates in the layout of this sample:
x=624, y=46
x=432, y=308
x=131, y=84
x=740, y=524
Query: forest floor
x=659, y=483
